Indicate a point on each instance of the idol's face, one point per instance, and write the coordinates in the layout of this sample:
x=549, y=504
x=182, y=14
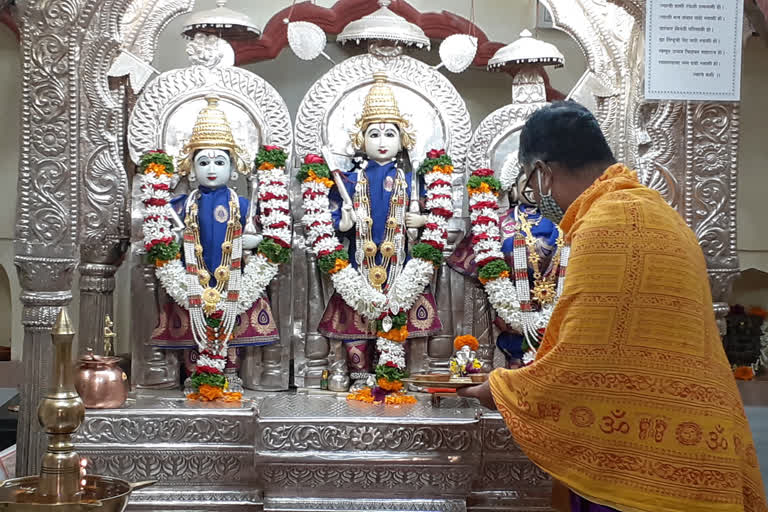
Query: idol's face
x=382, y=142
x=213, y=167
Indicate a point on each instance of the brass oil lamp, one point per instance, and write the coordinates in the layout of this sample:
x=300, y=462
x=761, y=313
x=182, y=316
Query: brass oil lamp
x=62, y=486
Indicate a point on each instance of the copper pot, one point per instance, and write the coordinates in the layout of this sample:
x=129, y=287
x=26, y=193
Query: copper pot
x=101, y=383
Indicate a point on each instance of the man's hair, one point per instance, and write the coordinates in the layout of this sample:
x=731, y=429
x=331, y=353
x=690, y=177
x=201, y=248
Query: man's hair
x=564, y=132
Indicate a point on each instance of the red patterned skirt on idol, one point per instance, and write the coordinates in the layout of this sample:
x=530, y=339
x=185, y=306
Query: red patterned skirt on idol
x=253, y=327
x=341, y=322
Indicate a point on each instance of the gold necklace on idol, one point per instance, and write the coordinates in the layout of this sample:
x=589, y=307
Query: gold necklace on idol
x=544, y=287
x=211, y=296
x=378, y=275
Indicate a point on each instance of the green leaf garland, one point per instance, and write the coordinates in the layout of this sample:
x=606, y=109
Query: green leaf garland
x=276, y=157
x=326, y=263
x=157, y=157
x=274, y=252
x=493, y=270
x=427, y=252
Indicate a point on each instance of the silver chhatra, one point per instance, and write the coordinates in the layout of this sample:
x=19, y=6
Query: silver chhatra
x=223, y=22
x=384, y=25
x=527, y=50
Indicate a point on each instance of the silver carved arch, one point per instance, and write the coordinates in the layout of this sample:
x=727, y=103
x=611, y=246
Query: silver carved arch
x=167, y=109
x=426, y=97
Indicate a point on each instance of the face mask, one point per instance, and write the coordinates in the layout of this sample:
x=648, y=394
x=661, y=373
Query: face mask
x=521, y=192
x=548, y=206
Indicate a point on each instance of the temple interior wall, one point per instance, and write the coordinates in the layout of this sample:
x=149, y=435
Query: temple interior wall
x=484, y=92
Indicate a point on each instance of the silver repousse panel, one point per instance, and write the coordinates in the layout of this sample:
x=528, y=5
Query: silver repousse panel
x=429, y=101
x=325, y=408
x=166, y=111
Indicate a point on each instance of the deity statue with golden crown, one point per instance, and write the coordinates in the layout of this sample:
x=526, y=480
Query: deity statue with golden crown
x=208, y=255
x=378, y=230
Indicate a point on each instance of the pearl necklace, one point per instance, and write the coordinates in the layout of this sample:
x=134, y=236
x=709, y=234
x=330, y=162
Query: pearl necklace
x=545, y=291
x=205, y=301
x=392, y=248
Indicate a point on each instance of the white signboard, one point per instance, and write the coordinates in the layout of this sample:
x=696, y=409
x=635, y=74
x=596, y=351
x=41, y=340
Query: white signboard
x=693, y=49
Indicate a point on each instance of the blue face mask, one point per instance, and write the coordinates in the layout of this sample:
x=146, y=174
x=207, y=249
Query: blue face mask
x=547, y=204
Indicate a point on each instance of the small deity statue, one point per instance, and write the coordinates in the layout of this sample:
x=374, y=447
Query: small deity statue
x=109, y=337
x=371, y=213
x=537, y=242
x=221, y=283
x=465, y=362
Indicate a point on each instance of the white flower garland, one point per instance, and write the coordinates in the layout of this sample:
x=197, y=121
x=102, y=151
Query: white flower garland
x=258, y=271
x=502, y=294
x=348, y=282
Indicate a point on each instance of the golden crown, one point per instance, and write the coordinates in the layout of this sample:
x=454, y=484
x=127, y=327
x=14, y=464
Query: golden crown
x=380, y=106
x=212, y=131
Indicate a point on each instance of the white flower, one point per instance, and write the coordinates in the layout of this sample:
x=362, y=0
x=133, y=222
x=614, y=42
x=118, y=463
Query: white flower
x=529, y=357
x=278, y=190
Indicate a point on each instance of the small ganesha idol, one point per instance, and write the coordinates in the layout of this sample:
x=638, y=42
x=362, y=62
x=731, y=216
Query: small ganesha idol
x=464, y=361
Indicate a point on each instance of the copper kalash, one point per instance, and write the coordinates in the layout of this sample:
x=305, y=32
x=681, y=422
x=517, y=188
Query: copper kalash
x=62, y=486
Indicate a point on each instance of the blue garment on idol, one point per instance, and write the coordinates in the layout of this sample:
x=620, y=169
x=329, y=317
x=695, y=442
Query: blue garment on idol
x=213, y=214
x=380, y=178
x=510, y=343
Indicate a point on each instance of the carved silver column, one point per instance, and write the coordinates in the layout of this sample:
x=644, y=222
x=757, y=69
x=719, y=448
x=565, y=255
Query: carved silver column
x=150, y=367
x=47, y=206
x=41, y=306
x=97, y=285
x=317, y=347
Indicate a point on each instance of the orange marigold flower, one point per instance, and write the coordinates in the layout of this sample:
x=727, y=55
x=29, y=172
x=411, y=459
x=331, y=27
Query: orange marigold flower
x=266, y=166
x=210, y=393
x=156, y=169
x=338, y=266
x=397, y=335
x=363, y=395
x=483, y=188
x=390, y=385
x=232, y=397
x=744, y=373
x=464, y=341
x=399, y=399
x=444, y=169
x=504, y=275
x=314, y=177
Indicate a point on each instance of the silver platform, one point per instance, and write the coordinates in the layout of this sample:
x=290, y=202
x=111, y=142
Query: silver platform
x=318, y=452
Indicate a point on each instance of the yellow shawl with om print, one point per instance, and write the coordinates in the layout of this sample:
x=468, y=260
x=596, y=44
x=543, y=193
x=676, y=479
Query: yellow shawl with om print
x=631, y=401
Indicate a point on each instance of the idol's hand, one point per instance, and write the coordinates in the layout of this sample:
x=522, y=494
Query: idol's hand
x=415, y=220
x=481, y=392
x=347, y=218
x=250, y=242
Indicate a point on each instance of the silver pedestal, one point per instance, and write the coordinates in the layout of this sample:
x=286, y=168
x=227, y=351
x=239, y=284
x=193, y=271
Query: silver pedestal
x=312, y=452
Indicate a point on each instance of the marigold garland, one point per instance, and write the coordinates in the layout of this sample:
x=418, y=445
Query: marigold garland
x=316, y=183
x=466, y=340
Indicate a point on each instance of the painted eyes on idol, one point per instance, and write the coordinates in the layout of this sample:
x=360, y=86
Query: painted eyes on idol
x=389, y=134
x=218, y=162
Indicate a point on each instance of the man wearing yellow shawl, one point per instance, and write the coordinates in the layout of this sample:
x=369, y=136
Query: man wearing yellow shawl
x=631, y=402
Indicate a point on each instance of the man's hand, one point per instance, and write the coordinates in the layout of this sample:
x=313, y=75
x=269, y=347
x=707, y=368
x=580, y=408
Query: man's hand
x=347, y=219
x=481, y=392
x=415, y=220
